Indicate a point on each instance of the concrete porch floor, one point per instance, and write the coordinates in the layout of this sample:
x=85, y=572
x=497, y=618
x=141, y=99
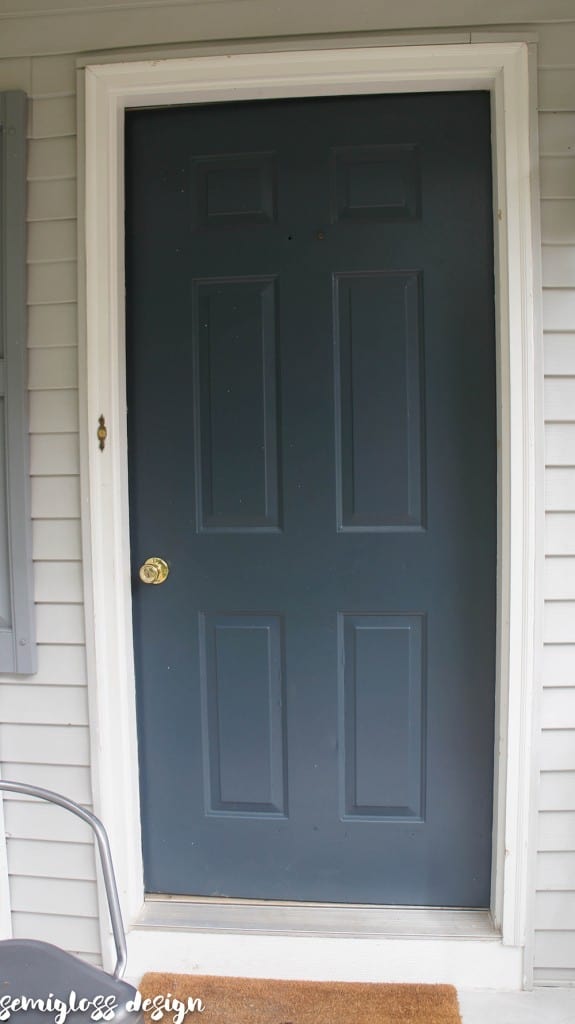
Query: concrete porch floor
x=543, y=1006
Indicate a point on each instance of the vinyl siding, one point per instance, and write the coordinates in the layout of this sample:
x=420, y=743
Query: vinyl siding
x=555, y=879
x=44, y=735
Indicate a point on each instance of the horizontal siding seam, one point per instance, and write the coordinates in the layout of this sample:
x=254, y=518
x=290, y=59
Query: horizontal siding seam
x=56, y=302
x=51, y=878
x=553, y=67
x=52, y=219
x=47, y=726
x=55, y=842
x=80, y=916
x=62, y=433
x=63, y=135
x=143, y=7
x=31, y=181
x=44, y=262
x=34, y=97
x=60, y=643
x=44, y=348
x=555, y=928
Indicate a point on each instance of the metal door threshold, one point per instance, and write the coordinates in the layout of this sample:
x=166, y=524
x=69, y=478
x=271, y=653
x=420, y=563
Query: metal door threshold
x=235, y=916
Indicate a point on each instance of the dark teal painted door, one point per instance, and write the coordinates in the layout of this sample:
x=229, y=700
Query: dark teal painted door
x=312, y=449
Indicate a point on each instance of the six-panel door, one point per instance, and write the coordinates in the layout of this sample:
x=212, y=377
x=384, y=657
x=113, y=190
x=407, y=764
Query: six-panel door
x=311, y=383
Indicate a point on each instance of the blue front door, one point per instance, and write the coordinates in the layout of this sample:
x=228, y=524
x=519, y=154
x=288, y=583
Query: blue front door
x=312, y=446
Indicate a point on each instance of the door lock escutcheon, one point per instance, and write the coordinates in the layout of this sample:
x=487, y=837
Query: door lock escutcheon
x=154, y=570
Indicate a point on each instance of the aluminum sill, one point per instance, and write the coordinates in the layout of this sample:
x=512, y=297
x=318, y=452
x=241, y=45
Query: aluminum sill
x=240, y=917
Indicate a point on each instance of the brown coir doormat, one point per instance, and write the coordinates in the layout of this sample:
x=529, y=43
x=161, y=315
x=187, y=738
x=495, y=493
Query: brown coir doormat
x=259, y=1001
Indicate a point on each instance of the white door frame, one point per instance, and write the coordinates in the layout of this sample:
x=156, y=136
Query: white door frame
x=501, y=68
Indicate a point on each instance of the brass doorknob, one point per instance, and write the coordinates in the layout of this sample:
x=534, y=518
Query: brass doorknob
x=154, y=570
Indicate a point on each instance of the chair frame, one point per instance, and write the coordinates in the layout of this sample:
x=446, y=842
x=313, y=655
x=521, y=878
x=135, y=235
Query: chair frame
x=105, y=859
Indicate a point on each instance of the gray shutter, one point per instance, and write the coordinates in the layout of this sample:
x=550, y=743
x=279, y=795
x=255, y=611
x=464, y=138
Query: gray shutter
x=17, y=634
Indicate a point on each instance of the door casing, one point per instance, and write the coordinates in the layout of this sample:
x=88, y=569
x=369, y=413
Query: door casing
x=109, y=89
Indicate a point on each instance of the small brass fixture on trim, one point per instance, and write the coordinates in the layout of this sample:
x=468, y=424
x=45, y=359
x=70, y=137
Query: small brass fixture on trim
x=102, y=433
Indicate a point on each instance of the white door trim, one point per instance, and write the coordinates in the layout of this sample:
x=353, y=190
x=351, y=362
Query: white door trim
x=109, y=89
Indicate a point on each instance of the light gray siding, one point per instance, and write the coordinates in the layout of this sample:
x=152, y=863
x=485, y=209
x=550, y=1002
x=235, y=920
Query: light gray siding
x=44, y=731
x=555, y=879
x=44, y=718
